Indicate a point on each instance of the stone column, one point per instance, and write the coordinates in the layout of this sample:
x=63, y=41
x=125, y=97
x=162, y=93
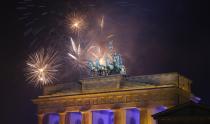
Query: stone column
x=119, y=116
x=143, y=116
x=62, y=118
x=40, y=118
x=150, y=119
x=87, y=117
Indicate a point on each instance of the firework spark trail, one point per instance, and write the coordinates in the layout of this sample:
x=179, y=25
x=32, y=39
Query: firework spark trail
x=79, y=50
x=73, y=45
x=72, y=56
x=102, y=23
x=35, y=16
x=42, y=67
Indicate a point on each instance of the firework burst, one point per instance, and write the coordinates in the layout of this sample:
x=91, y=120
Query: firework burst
x=77, y=55
x=42, y=67
x=76, y=22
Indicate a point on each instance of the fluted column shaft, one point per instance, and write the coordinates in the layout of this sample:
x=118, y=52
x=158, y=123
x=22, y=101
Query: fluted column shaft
x=119, y=116
x=40, y=118
x=143, y=116
x=62, y=118
x=87, y=117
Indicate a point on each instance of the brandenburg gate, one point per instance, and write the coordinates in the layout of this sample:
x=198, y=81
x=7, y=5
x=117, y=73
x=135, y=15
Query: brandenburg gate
x=114, y=99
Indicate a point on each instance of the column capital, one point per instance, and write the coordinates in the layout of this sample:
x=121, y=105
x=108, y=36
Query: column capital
x=86, y=117
x=62, y=113
x=141, y=108
x=40, y=114
x=116, y=109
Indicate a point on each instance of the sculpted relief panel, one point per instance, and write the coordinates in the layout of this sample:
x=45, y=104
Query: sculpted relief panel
x=111, y=99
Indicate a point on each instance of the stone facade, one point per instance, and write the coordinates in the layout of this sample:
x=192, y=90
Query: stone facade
x=116, y=93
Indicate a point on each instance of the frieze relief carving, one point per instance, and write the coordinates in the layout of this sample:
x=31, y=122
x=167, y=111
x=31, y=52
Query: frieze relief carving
x=115, y=99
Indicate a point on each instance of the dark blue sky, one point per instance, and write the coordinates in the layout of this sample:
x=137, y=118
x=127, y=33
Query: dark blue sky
x=154, y=37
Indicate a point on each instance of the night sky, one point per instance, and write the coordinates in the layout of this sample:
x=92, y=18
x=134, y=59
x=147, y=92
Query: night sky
x=154, y=36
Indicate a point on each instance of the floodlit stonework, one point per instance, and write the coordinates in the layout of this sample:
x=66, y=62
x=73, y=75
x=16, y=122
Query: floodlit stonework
x=115, y=94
